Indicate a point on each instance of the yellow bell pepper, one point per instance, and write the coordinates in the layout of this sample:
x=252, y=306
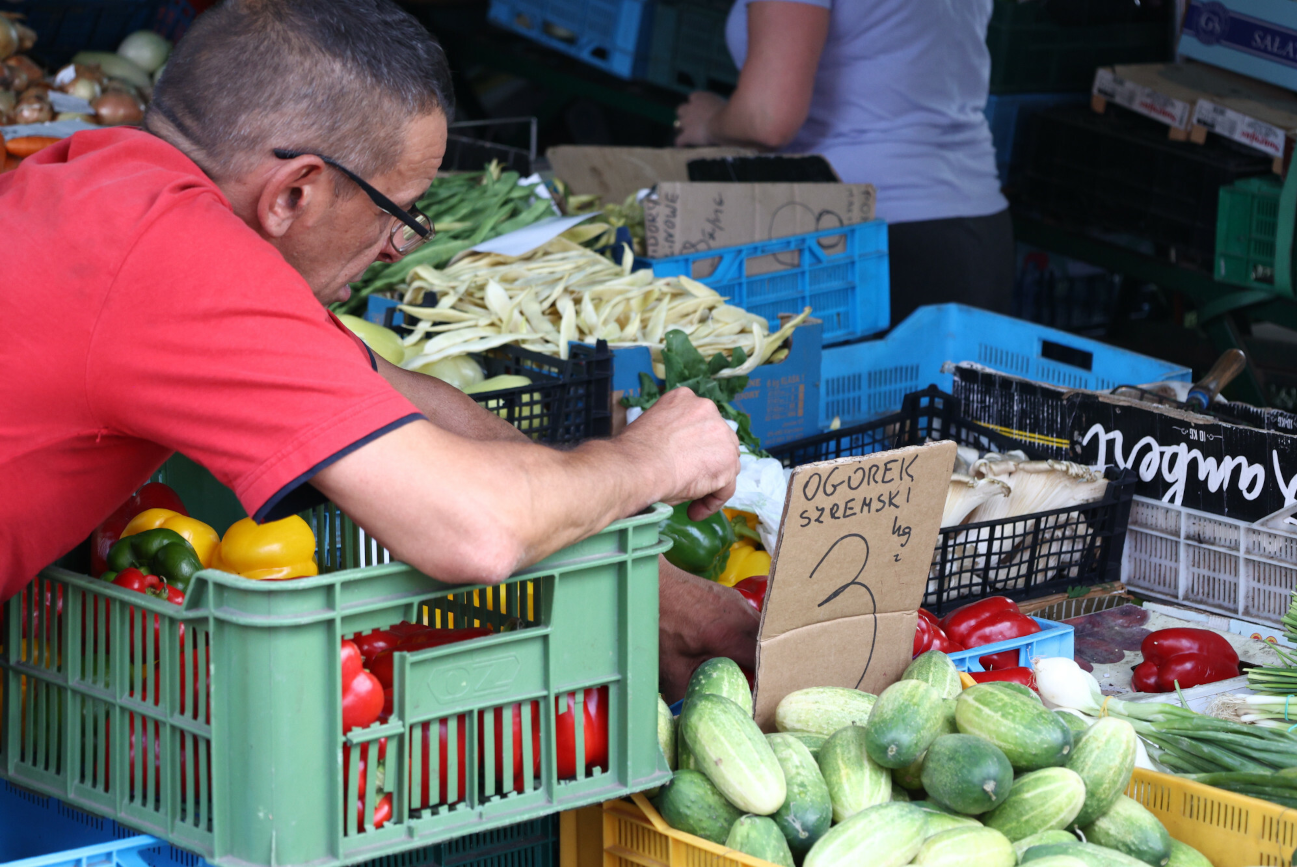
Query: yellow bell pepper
x=268, y=552
x=745, y=561
x=202, y=537
x=748, y=518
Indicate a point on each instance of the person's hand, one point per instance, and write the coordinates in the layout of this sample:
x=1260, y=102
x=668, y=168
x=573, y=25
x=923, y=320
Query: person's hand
x=685, y=436
x=693, y=119
x=698, y=620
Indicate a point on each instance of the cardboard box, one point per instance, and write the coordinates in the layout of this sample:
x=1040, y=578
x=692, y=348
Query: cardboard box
x=1244, y=469
x=1257, y=38
x=783, y=399
x=1196, y=99
x=682, y=216
x=849, y=572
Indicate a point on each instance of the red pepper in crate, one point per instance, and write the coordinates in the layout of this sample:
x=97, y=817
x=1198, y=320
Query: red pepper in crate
x=154, y=495
x=383, y=807
x=753, y=589
x=987, y=621
x=928, y=635
x=362, y=694
x=959, y=623
x=1189, y=657
x=1017, y=674
x=595, y=732
x=427, y=637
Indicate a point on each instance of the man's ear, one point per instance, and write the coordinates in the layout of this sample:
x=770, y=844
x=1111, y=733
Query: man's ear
x=290, y=191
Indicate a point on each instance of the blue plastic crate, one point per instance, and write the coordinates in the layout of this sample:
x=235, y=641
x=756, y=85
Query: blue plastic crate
x=841, y=274
x=612, y=35
x=1007, y=115
x=44, y=832
x=1053, y=639
x=64, y=27
x=864, y=380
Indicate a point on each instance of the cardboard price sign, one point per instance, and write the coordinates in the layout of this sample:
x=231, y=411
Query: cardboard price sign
x=849, y=572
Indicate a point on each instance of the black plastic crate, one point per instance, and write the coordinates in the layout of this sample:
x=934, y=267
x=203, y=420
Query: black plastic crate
x=471, y=144
x=1119, y=171
x=569, y=400
x=1021, y=557
x=688, y=50
x=64, y=27
x=1040, y=46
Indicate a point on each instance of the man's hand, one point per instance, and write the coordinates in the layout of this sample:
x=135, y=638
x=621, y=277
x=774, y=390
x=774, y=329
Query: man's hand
x=686, y=434
x=699, y=619
x=693, y=119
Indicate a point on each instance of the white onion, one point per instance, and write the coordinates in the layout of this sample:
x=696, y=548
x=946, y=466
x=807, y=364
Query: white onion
x=146, y=49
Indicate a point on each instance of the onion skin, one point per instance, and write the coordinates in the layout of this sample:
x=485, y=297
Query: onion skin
x=86, y=88
x=34, y=110
x=26, y=36
x=115, y=108
x=9, y=39
x=23, y=72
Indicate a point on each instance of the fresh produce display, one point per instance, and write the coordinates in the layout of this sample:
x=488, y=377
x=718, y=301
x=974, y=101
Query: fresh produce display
x=747, y=558
x=699, y=547
x=1278, y=679
x=754, y=590
x=274, y=551
x=1187, y=657
x=1103, y=637
x=154, y=495
x=466, y=209
x=628, y=214
x=928, y=635
x=1010, y=785
x=995, y=618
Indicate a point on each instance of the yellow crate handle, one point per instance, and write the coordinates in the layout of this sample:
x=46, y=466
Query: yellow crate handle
x=651, y=814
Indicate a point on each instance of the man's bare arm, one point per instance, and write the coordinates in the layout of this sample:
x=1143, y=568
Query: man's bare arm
x=447, y=407
x=469, y=511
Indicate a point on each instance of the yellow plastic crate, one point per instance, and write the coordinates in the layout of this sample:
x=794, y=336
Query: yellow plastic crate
x=1232, y=830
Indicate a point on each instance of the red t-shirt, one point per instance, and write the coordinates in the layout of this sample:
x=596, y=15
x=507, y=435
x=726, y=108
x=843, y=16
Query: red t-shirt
x=142, y=317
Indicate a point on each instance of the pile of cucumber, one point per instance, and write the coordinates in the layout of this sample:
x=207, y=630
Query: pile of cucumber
x=926, y=773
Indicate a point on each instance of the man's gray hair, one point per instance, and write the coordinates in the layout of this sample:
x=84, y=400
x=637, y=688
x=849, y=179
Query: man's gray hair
x=337, y=77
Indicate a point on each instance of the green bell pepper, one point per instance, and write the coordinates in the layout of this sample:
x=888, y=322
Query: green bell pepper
x=160, y=552
x=698, y=547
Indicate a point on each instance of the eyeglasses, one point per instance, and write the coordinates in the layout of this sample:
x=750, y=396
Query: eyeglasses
x=411, y=228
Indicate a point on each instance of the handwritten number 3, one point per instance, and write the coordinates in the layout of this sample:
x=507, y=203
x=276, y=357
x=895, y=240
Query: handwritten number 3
x=853, y=583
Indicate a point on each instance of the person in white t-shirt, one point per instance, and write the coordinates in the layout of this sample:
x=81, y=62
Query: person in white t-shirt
x=891, y=92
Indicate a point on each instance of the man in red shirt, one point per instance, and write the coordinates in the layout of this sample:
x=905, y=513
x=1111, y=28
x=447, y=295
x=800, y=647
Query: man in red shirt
x=163, y=290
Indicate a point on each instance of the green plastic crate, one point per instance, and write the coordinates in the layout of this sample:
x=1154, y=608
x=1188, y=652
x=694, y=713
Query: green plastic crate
x=688, y=50
x=248, y=748
x=1031, y=52
x=1247, y=221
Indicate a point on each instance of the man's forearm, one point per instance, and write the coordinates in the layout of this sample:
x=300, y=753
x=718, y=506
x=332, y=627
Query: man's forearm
x=447, y=407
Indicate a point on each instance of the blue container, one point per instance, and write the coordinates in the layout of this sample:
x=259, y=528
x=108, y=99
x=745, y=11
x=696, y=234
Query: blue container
x=1007, y=115
x=612, y=35
x=45, y=832
x=1053, y=639
x=841, y=274
x=864, y=380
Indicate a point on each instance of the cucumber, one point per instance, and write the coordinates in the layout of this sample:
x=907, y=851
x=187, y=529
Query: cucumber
x=667, y=733
x=728, y=747
x=684, y=758
x=1030, y=736
x=933, y=807
x=1043, y=800
x=1018, y=688
x=906, y=719
x=1184, y=855
x=887, y=835
x=721, y=676
x=939, y=823
x=1105, y=758
x=1074, y=722
x=1044, y=838
x=1129, y=827
x=807, y=811
x=899, y=794
x=936, y=670
x=810, y=740
x=1088, y=853
x=759, y=837
x=690, y=803
x=854, y=780
x=966, y=847
x=909, y=777
x=948, y=707
x=1058, y=861
x=967, y=774
x=823, y=709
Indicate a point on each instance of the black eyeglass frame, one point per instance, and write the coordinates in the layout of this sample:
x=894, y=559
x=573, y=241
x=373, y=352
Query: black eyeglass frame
x=383, y=202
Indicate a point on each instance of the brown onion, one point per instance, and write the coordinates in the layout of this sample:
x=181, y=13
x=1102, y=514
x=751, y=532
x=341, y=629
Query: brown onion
x=26, y=36
x=9, y=40
x=33, y=111
x=8, y=101
x=115, y=107
x=86, y=88
x=22, y=65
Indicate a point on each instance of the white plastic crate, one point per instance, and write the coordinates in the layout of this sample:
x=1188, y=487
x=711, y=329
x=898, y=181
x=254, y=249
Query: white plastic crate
x=1209, y=561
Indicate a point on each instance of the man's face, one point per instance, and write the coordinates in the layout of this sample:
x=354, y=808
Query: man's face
x=337, y=244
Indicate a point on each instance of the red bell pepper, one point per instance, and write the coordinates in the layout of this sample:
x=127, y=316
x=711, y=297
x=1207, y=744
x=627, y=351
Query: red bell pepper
x=383, y=808
x=134, y=579
x=961, y=622
x=1189, y=657
x=929, y=636
x=1017, y=674
x=154, y=495
x=595, y=731
x=929, y=616
x=753, y=589
x=427, y=637
x=1000, y=626
x=362, y=694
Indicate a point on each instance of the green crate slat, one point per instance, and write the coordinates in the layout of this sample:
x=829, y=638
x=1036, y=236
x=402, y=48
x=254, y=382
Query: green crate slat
x=239, y=759
x=1247, y=221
